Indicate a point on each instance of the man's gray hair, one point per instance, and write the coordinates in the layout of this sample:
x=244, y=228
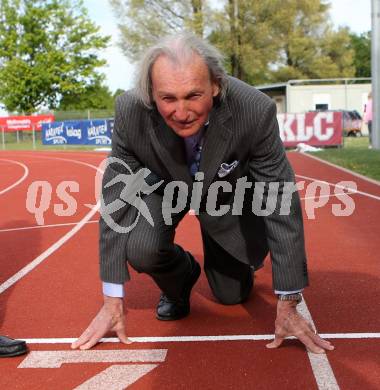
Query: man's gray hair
x=178, y=48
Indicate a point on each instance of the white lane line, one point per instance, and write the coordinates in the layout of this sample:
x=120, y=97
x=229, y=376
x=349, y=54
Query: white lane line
x=44, y=255
x=55, y=359
x=320, y=364
x=350, y=335
x=352, y=190
x=373, y=181
x=24, y=176
x=178, y=339
x=44, y=226
x=322, y=196
x=38, y=260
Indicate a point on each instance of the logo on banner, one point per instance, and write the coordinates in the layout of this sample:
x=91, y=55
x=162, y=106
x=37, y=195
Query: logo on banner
x=99, y=134
x=55, y=135
x=17, y=123
x=321, y=128
x=74, y=133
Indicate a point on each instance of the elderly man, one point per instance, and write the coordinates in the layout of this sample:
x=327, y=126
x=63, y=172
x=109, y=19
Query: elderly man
x=187, y=121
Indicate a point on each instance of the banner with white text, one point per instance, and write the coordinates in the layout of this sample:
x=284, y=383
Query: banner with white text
x=24, y=123
x=86, y=132
x=312, y=128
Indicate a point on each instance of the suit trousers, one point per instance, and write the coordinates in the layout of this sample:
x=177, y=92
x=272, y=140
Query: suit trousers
x=151, y=250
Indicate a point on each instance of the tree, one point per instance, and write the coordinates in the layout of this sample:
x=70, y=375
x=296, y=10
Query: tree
x=141, y=22
x=95, y=96
x=361, y=45
x=244, y=32
x=47, y=51
x=309, y=48
x=263, y=41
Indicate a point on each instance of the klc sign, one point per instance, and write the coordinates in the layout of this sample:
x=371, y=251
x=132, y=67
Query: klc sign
x=313, y=128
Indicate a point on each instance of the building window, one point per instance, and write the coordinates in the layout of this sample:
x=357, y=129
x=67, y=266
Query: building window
x=321, y=101
x=321, y=107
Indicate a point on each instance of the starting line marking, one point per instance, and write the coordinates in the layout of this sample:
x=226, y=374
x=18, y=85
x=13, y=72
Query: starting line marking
x=177, y=339
x=115, y=377
x=55, y=359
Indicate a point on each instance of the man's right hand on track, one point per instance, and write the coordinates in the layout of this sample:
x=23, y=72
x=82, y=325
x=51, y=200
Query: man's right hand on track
x=109, y=318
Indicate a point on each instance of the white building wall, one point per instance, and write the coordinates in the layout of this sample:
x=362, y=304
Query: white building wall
x=303, y=98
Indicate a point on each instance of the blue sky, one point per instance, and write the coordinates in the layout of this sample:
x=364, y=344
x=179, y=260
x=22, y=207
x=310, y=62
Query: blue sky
x=119, y=71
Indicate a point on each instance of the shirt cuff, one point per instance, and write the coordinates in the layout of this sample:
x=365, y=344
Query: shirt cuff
x=114, y=290
x=278, y=292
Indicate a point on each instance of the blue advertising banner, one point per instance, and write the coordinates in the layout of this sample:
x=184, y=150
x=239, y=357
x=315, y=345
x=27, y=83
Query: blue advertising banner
x=85, y=132
x=97, y=132
x=54, y=133
x=74, y=132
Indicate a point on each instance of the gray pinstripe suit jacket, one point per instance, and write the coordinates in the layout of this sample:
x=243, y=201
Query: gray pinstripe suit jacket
x=242, y=127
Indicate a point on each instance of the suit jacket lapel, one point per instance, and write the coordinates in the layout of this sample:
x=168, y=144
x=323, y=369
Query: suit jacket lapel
x=171, y=150
x=216, y=142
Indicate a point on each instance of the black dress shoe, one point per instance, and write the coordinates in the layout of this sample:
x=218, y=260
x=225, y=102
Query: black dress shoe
x=174, y=309
x=10, y=347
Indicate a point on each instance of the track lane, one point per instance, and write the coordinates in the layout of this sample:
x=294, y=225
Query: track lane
x=74, y=278
x=69, y=278
x=67, y=290
x=342, y=253
x=15, y=214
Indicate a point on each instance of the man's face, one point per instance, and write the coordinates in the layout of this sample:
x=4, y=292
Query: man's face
x=183, y=93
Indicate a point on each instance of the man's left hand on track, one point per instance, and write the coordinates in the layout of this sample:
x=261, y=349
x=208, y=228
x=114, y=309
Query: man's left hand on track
x=291, y=323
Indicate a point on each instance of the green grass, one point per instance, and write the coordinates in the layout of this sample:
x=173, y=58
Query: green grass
x=355, y=156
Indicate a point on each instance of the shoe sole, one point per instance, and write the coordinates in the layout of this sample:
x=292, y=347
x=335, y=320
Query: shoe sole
x=17, y=353
x=183, y=315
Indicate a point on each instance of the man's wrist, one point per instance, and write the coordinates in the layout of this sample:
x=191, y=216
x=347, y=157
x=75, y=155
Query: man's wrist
x=285, y=308
x=114, y=306
x=112, y=300
x=288, y=302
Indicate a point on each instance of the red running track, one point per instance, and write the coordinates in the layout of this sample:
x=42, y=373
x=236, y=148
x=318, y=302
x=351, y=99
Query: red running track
x=59, y=297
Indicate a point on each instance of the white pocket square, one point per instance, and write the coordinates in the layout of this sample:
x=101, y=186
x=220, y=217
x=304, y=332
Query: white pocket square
x=225, y=168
